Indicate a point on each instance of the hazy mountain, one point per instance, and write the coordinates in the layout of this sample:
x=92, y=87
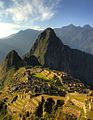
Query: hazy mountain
x=2, y=54
x=52, y=53
x=4, y=49
x=21, y=42
x=77, y=37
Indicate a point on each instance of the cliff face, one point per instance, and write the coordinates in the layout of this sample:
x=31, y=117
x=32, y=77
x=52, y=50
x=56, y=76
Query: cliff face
x=52, y=53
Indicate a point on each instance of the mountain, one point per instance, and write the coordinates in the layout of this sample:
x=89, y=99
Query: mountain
x=1, y=55
x=45, y=45
x=12, y=60
x=52, y=53
x=31, y=60
x=4, y=49
x=21, y=42
x=77, y=37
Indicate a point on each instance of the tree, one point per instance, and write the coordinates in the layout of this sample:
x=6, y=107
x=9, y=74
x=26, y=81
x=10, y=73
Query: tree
x=49, y=105
x=59, y=103
x=39, y=109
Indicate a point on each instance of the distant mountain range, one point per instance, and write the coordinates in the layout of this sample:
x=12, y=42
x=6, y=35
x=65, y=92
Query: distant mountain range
x=75, y=36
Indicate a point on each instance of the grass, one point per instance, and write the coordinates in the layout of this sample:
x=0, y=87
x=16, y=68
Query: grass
x=41, y=76
x=74, y=107
x=25, y=103
x=7, y=79
x=90, y=115
x=19, y=76
x=77, y=96
x=49, y=96
x=45, y=74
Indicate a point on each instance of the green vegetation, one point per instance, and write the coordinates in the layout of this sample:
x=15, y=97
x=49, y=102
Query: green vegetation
x=39, y=75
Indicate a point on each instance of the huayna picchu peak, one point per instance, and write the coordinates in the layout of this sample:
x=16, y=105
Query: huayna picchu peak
x=47, y=44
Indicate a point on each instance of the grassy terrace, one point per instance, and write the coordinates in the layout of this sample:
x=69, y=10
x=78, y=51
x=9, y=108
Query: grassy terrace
x=77, y=96
x=44, y=75
x=41, y=76
x=90, y=115
x=49, y=96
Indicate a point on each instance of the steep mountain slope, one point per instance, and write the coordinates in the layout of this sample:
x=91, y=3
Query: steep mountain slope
x=52, y=53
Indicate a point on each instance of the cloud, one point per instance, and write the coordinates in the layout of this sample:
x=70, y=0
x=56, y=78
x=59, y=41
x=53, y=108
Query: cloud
x=8, y=28
x=21, y=11
x=1, y=5
x=8, y=25
x=36, y=28
x=22, y=14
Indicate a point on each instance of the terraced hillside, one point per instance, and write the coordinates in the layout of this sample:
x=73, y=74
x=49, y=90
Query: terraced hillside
x=35, y=93
x=23, y=103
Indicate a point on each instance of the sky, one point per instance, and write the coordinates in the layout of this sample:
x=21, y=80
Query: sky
x=18, y=15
